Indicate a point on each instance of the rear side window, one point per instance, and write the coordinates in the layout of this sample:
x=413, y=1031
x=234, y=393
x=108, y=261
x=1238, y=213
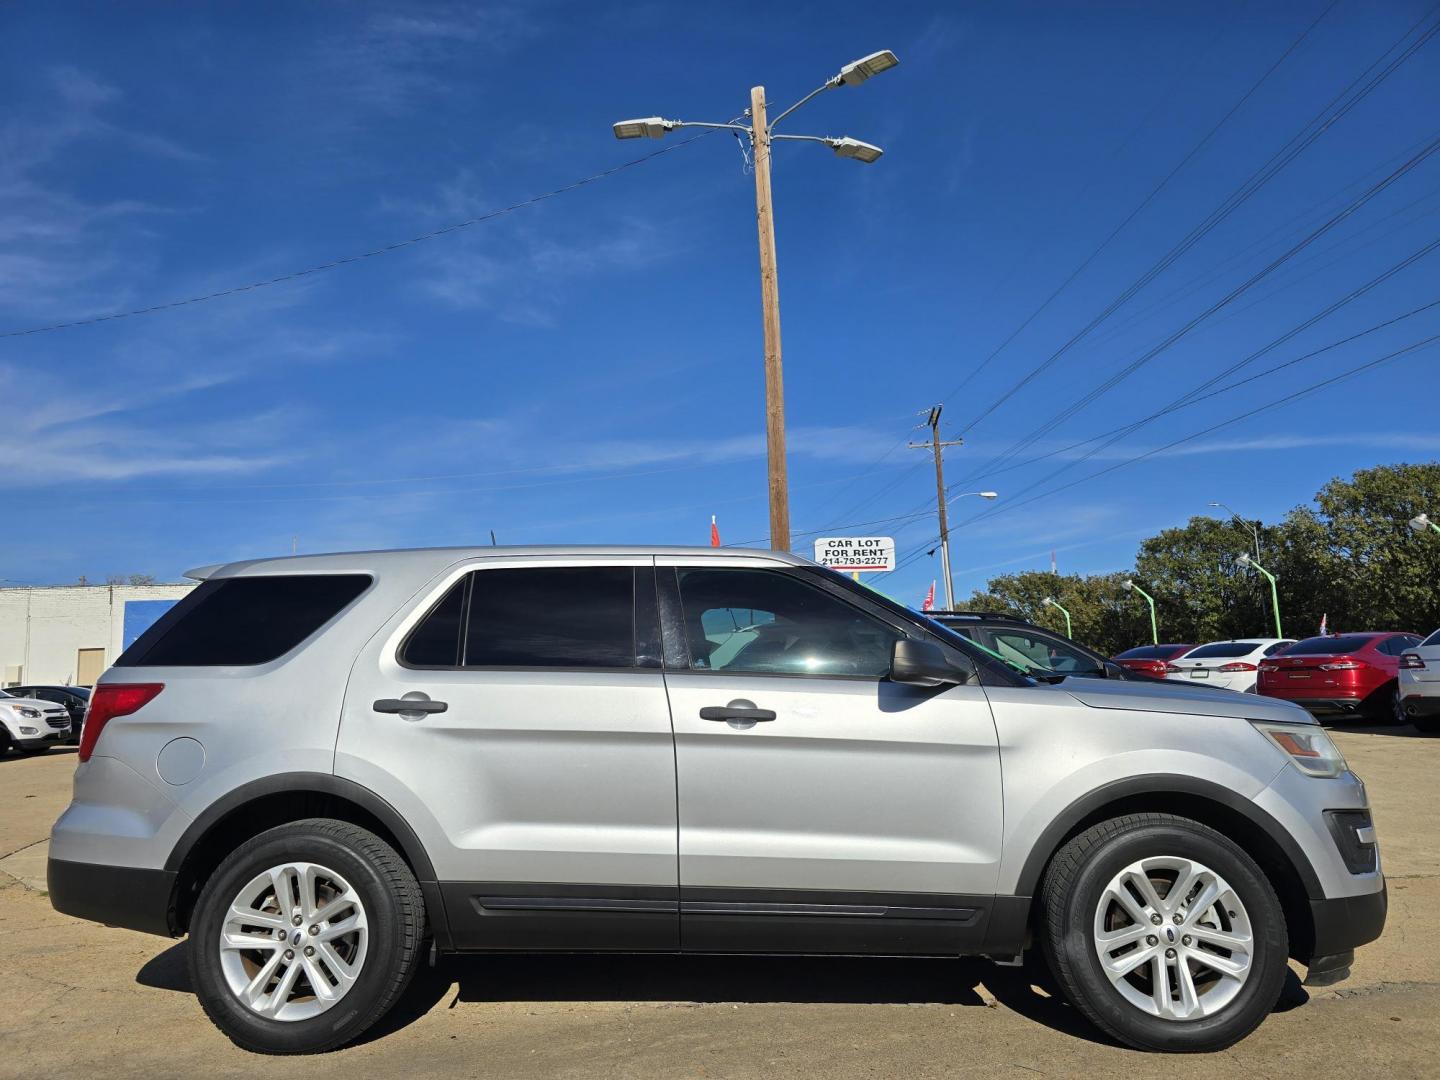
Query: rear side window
x=1329, y=646
x=552, y=617
x=1222, y=649
x=239, y=622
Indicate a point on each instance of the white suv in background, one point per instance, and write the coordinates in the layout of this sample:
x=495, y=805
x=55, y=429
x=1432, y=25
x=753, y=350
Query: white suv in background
x=1228, y=665
x=1420, y=684
x=31, y=726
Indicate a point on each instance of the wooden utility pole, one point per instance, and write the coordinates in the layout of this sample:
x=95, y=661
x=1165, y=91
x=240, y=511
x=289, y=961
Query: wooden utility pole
x=934, y=424
x=770, y=306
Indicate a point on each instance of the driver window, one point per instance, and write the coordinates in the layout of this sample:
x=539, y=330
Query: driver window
x=769, y=622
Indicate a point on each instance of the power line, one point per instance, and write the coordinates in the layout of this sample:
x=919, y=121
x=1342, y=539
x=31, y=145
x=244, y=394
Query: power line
x=1114, y=380
x=1296, y=145
x=1154, y=192
x=1185, y=401
x=1288, y=398
x=334, y=264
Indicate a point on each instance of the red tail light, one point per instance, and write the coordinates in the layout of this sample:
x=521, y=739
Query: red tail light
x=1269, y=665
x=1411, y=660
x=1342, y=663
x=1173, y=669
x=108, y=701
x=1240, y=666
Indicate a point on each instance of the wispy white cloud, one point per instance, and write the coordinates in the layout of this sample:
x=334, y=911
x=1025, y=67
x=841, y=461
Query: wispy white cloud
x=58, y=251
x=1414, y=442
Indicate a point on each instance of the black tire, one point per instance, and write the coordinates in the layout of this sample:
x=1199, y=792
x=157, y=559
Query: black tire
x=1426, y=725
x=395, y=912
x=1383, y=706
x=31, y=751
x=1071, y=892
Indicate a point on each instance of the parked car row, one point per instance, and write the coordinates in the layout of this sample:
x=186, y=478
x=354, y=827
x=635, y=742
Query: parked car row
x=1380, y=676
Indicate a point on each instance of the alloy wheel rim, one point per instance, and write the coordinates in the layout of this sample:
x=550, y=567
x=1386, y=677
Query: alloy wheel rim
x=294, y=941
x=1173, y=938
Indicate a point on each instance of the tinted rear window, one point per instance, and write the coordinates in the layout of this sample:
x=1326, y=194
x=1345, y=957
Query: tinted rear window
x=239, y=622
x=1148, y=652
x=1329, y=646
x=560, y=617
x=1223, y=648
x=1433, y=639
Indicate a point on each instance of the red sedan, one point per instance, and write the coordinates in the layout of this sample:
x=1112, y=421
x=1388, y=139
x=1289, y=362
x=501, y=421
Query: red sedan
x=1344, y=675
x=1150, y=659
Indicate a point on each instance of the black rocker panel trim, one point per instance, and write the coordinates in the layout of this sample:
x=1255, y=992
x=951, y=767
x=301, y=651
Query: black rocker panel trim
x=837, y=922
x=545, y=917
x=490, y=916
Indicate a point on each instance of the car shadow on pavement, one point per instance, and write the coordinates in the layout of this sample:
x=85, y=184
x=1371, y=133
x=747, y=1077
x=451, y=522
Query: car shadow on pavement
x=1028, y=990
x=1408, y=731
x=56, y=751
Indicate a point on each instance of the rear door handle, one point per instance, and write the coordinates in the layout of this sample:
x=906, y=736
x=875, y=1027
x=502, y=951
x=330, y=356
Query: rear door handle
x=410, y=705
x=736, y=710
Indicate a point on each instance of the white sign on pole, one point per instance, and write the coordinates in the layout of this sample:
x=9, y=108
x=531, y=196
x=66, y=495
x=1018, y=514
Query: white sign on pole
x=854, y=554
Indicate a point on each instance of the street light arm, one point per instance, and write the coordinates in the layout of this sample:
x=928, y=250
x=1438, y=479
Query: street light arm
x=830, y=84
x=721, y=127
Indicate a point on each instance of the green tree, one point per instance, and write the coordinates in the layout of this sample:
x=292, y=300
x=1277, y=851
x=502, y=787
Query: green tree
x=1104, y=616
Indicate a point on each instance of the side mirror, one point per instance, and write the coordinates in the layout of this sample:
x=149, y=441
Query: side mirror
x=923, y=663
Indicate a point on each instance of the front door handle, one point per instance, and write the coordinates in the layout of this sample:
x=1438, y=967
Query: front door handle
x=737, y=710
x=418, y=704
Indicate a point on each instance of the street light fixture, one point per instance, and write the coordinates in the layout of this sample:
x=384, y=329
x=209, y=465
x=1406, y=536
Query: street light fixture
x=1421, y=522
x=1130, y=586
x=761, y=135
x=1248, y=563
x=1254, y=532
x=1050, y=601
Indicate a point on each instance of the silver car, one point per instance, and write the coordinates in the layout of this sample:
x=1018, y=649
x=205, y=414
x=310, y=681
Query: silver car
x=322, y=768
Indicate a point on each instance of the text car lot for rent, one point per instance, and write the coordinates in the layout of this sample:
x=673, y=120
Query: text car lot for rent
x=654, y=750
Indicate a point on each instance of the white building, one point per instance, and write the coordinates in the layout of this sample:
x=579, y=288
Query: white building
x=69, y=634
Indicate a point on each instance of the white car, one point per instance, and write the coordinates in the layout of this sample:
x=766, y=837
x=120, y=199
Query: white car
x=1420, y=683
x=30, y=725
x=1229, y=665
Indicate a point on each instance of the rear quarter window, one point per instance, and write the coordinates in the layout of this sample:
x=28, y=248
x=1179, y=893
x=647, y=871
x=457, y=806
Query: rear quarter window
x=243, y=621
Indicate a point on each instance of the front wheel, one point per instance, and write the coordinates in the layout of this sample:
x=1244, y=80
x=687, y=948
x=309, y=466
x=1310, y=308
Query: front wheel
x=305, y=937
x=1164, y=933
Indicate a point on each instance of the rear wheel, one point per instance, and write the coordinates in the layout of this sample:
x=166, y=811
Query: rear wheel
x=305, y=937
x=1385, y=706
x=1164, y=933
x=1429, y=725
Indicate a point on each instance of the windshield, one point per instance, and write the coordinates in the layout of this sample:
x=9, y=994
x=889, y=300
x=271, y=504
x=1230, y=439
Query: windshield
x=1148, y=652
x=1329, y=646
x=1223, y=648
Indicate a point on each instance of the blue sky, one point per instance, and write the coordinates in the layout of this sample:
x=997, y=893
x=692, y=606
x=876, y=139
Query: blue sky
x=588, y=369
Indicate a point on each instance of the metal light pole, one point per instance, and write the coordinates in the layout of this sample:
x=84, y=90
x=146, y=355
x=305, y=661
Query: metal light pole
x=1050, y=601
x=1246, y=561
x=1241, y=521
x=761, y=133
x=1421, y=522
x=1154, y=628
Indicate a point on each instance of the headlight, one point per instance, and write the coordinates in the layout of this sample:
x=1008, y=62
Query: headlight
x=1306, y=745
x=27, y=712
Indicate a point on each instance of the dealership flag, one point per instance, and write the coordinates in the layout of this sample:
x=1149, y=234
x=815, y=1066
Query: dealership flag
x=714, y=532
x=1322, y=623
x=929, y=603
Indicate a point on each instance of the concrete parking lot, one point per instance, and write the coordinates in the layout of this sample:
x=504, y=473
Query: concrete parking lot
x=82, y=1000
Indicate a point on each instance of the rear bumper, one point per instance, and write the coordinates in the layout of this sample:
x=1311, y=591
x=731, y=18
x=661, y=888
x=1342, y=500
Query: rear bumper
x=1418, y=705
x=124, y=896
x=1323, y=706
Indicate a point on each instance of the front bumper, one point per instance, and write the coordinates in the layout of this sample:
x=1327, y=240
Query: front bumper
x=129, y=897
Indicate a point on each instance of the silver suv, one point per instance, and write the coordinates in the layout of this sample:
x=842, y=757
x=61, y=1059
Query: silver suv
x=322, y=768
